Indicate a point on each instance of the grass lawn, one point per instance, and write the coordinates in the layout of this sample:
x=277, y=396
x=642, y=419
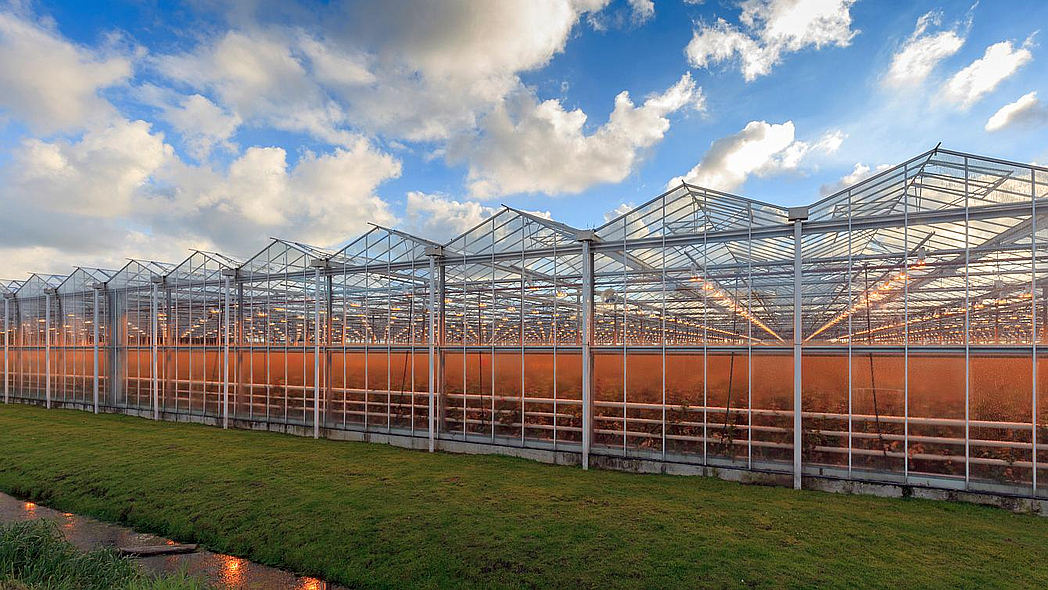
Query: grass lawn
x=371, y=515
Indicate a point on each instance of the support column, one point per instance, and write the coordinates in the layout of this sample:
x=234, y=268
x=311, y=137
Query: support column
x=797, y=215
x=329, y=332
x=117, y=349
x=154, y=308
x=587, y=238
x=96, y=289
x=318, y=293
x=47, y=346
x=442, y=317
x=434, y=253
x=225, y=349
x=7, y=347
x=1033, y=322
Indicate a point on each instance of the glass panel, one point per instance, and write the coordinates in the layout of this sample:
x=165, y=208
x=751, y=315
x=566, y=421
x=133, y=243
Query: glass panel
x=1000, y=418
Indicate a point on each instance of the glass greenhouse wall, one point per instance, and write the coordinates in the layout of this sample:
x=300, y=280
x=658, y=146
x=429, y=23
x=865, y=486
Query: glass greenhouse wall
x=906, y=315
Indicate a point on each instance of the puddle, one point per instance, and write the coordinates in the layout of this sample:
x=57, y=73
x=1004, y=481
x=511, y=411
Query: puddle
x=223, y=571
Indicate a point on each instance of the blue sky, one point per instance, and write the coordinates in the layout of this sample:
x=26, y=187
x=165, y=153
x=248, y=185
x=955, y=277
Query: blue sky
x=145, y=129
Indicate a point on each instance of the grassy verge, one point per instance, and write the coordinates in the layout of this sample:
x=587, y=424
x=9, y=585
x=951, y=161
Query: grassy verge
x=370, y=515
x=34, y=555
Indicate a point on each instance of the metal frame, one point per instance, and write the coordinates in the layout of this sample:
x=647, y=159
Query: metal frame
x=512, y=334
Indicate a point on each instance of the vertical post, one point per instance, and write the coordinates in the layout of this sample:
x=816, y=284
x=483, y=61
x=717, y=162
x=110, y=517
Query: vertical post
x=906, y=326
x=797, y=215
x=1033, y=323
x=587, y=238
x=851, y=441
x=238, y=333
x=94, y=345
x=47, y=347
x=433, y=252
x=318, y=265
x=225, y=357
x=328, y=339
x=554, y=338
x=705, y=330
x=662, y=335
x=154, y=308
x=967, y=333
x=7, y=346
x=749, y=337
x=442, y=316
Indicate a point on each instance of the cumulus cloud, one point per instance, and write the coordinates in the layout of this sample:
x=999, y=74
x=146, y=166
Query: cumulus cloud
x=642, y=10
x=924, y=49
x=769, y=30
x=121, y=191
x=466, y=40
x=527, y=146
x=407, y=70
x=201, y=123
x=633, y=13
x=96, y=176
x=619, y=211
x=982, y=76
x=439, y=66
x=760, y=149
x=50, y=83
x=322, y=199
x=858, y=174
x=438, y=72
x=75, y=198
x=1028, y=112
x=334, y=67
x=439, y=218
x=428, y=72
x=259, y=77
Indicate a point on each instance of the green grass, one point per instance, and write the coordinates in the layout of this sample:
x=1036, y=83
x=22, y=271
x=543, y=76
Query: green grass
x=370, y=515
x=34, y=555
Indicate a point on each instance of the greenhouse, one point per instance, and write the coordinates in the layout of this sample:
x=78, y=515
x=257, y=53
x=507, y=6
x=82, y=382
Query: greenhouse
x=902, y=315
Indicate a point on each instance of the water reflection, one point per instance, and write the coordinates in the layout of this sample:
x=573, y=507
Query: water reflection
x=232, y=570
x=222, y=571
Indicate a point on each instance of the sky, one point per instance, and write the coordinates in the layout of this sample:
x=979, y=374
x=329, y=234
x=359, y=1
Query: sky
x=146, y=129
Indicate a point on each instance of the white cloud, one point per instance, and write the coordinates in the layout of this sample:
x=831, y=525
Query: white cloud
x=627, y=15
x=858, y=174
x=1028, y=111
x=323, y=199
x=96, y=176
x=527, y=146
x=769, y=30
x=642, y=10
x=760, y=149
x=622, y=209
x=438, y=218
x=202, y=124
x=333, y=67
x=427, y=71
x=465, y=40
x=440, y=66
x=407, y=70
x=923, y=50
x=259, y=77
x=982, y=76
x=121, y=191
x=74, y=200
x=50, y=83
